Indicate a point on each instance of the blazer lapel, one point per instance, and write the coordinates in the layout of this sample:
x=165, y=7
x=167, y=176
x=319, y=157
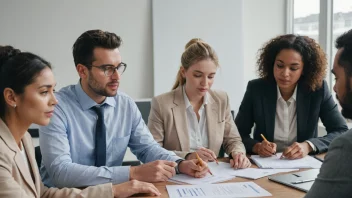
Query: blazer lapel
x=269, y=103
x=32, y=162
x=11, y=143
x=303, y=108
x=179, y=114
x=24, y=171
x=212, y=115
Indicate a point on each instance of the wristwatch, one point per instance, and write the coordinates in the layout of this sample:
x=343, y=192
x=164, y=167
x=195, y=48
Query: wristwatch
x=177, y=163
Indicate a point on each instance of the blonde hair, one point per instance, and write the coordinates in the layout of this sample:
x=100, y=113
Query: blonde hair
x=195, y=50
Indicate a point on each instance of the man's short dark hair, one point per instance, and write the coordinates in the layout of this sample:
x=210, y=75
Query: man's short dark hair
x=86, y=43
x=344, y=43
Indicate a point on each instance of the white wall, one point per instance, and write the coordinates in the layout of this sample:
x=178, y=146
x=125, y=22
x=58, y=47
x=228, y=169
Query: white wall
x=176, y=22
x=263, y=20
x=49, y=28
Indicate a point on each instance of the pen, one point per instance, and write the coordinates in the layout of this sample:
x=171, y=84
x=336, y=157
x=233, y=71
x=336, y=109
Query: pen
x=201, y=162
x=318, y=158
x=302, y=181
x=214, y=158
x=216, y=161
x=266, y=141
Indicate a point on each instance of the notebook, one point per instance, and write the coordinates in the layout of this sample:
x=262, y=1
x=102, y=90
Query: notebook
x=276, y=162
x=300, y=180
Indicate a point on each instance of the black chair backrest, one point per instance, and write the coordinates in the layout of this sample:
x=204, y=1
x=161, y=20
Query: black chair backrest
x=38, y=156
x=144, y=107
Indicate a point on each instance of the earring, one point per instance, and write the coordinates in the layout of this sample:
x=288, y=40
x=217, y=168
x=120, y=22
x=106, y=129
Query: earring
x=14, y=106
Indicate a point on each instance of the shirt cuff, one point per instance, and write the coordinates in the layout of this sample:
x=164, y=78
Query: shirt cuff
x=312, y=146
x=120, y=174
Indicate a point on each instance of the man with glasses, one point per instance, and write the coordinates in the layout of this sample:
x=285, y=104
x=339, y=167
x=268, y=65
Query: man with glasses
x=93, y=125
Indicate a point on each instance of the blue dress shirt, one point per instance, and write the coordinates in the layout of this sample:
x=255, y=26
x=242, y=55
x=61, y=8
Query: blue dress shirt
x=67, y=143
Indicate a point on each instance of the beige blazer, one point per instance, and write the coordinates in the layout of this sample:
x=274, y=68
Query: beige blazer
x=16, y=179
x=167, y=122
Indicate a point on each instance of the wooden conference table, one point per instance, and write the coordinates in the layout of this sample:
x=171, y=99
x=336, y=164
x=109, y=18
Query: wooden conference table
x=277, y=190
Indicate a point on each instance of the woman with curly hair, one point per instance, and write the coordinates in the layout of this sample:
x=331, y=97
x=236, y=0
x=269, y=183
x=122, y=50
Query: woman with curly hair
x=288, y=99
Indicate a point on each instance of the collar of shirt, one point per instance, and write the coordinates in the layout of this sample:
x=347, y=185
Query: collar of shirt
x=86, y=102
x=293, y=97
x=188, y=103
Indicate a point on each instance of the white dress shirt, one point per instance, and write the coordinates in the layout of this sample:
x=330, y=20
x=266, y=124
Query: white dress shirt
x=198, y=131
x=285, y=132
x=24, y=156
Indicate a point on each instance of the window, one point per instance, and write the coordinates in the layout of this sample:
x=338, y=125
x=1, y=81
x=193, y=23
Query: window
x=306, y=18
x=335, y=18
x=328, y=19
x=342, y=20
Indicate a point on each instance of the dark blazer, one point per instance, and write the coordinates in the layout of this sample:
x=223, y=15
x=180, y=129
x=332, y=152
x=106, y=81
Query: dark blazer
x=259, y=107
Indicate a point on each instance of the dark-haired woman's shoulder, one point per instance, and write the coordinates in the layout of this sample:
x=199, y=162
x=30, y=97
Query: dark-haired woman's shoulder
x=260, y=82
x=261, y=85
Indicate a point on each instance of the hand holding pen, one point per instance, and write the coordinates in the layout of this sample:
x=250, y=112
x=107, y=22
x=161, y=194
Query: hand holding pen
x=205, y=154
x=265, y=148
x=201, y=163
x=296, y=151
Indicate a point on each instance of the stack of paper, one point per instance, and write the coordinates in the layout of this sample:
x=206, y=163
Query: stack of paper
x=208, y=179
x=251, y=173
x=226, y=190
x=256, y=173
x=223, y=172
x=276, y=162
x=220, y=174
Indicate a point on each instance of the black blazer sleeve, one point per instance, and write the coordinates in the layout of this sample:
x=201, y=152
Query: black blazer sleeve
x=332, y=119
x=245, y=120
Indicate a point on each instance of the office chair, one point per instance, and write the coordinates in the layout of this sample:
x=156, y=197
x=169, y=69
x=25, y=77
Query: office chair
x=38, y=156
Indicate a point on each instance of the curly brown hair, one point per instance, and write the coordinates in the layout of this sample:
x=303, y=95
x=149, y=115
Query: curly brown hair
x=313, y=57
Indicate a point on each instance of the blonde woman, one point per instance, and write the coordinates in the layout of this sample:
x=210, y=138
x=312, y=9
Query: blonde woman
x=192, y=118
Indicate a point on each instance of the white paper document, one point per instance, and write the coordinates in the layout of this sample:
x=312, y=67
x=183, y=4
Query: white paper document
x=251, y=173
x=220, y=174
x=276, y=162
x=256, y=173
x=226, y=190
x=208, y=179
x=224, y=172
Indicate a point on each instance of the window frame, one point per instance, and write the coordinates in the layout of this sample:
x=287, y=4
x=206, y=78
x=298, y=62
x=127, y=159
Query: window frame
x=325, y=31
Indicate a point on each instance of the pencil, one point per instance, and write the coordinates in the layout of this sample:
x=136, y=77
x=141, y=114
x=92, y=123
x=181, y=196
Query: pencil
x=263, y=137
x=266, y=141
x=216, y=161
x=201, y=162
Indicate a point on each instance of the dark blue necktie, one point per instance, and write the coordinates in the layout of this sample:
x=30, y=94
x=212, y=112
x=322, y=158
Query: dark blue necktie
x=100, y=138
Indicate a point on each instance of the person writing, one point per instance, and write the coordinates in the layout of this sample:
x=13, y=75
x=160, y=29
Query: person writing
x=193, y=119
x=86, y=140
x=288, y=99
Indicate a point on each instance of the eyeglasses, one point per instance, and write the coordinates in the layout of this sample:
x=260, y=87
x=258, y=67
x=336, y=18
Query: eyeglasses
x=109, y=70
